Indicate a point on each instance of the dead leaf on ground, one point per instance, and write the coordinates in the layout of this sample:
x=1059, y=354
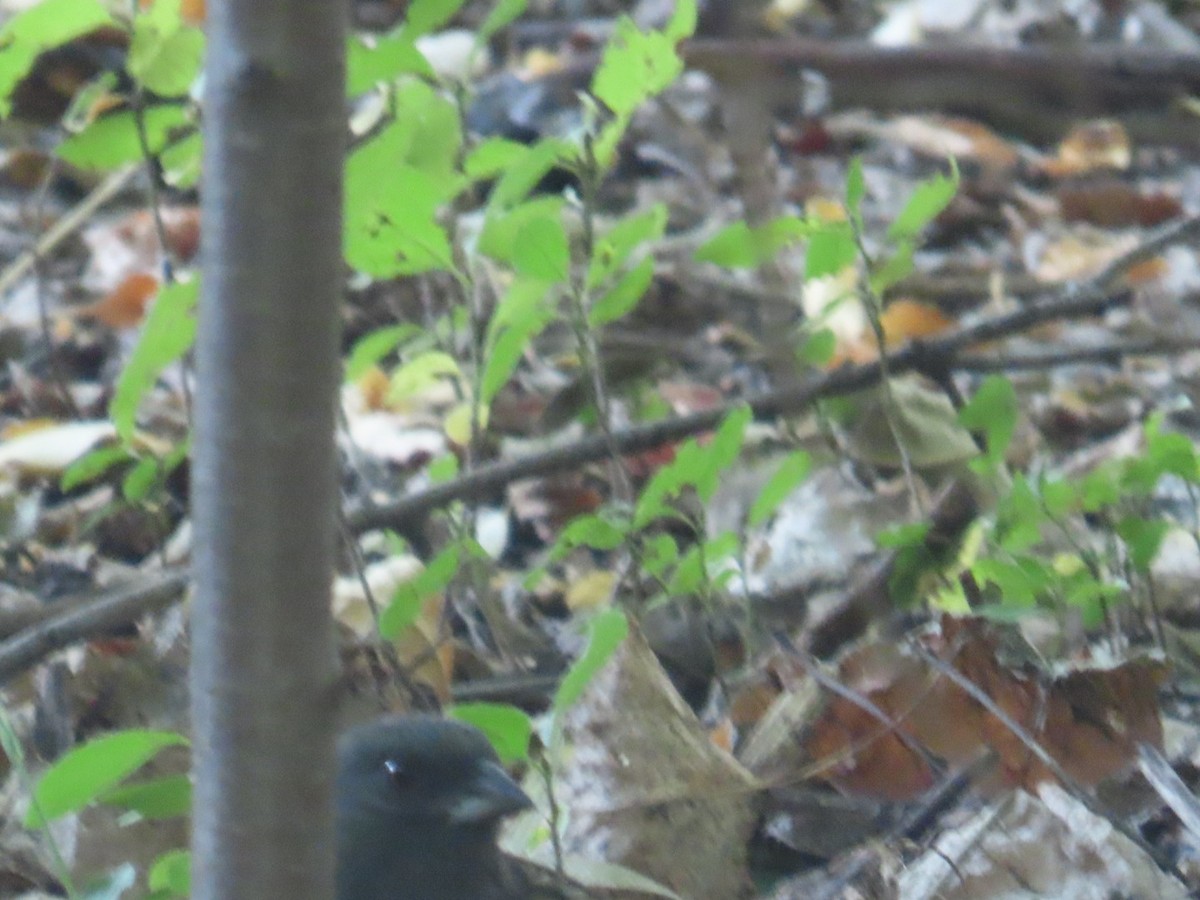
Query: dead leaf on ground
x=646, y=787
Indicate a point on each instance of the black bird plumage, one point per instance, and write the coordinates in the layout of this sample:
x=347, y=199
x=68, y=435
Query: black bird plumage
x=419, y=803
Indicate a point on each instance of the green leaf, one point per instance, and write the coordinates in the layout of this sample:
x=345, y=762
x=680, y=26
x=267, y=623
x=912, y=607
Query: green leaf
x=522, y=313
x=507, y=727
x=911, y=535
x=623, y=296
x=492, y=156
x=636, y=65
x=683, y=21
x=374, y=346
x=92, y=465
x=738, y=246
x=667, y=482
x=830, y=250
x=82, y=775
x=160, y=798
x=180, y=161
x=1101, y=487
x=524, y=173
x=1019, y=518
x=614, y=247
x=688, y=574
x=140, y=479
x=42, y=27
x=1143, y=537
x=383, y=59
x=165, y=53
x=1020, y=582
x=928, y=200
x=442, y=469
x=426, y=15
x=1060, y=498
x=168, y=334
x=405, y=605
x=659, y=553
x=541, y=250
x=396, y=184
x=606, y=632
x=421, y=373
x=171, y=874
x=855, y=187
x=793, y=470
x=112, y=140
x=992, y=411
x=503, y=13
x=895, y=267
x=819, y=347
x=723, y=450
x=596, y=532
x=502, y=231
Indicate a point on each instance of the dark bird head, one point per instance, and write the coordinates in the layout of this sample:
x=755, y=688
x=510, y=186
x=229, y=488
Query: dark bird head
x=419, y=802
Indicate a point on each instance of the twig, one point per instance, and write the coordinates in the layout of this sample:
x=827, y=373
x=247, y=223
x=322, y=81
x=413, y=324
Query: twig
x=1112, y=354
x=85, y=620
x=1086, y=298
x=67, y=225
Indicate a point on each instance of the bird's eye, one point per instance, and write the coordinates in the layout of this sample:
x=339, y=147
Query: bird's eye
x=396, y=772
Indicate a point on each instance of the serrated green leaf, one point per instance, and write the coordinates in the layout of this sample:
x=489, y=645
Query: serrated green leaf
x=636, y=65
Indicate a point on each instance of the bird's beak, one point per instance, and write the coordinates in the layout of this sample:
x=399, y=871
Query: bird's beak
x=490, y=796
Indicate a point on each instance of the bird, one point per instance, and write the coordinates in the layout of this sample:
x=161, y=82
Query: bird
x=419, y=803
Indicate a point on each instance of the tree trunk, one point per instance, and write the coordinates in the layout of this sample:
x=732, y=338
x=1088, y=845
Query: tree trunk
x=264, y=475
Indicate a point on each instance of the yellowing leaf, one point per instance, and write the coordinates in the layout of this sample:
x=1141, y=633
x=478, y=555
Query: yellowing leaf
x=591, y=591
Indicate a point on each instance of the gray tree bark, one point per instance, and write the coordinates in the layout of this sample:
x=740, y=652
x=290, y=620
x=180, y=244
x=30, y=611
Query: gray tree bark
x=264, y=474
